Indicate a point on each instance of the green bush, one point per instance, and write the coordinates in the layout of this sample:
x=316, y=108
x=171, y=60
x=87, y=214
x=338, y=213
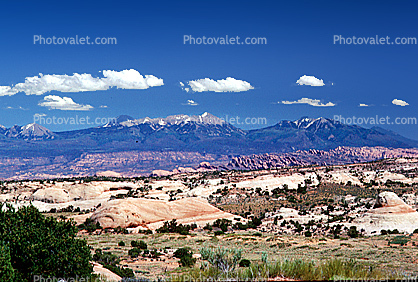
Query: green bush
x=139, y=244
x=222, y=224
x=134, y=252
x=7, y=272
x=244, y=263
x=122, y=272
x=40, y=245
x=121, y=244
x=218, y=232
x=111, y=261
x=222, y=259
x=352, y=232
x=89, y=225
x=105, y=257
x=185, y=256
x=173, y=227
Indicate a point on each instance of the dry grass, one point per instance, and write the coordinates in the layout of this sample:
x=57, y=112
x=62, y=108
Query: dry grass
x=373, y=251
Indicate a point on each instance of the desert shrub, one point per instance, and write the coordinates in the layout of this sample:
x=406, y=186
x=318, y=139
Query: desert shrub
x=173, y=227
x=255, y=222
x=111, y=261
x=134, y=252
x=89, y=225
x=240, y=226
x=222, y=224
x=139, y=244
x=186, y=257
x=42, y=245
x=222, y=259
x=218, y=232
x=352, y=232
x=394, y=231
x=400, y=240
x=121, y=271
x=308, y=234
x=208, y=227
x=105, y=257
x=244, y=263
x=121, y=230
x=121, y=244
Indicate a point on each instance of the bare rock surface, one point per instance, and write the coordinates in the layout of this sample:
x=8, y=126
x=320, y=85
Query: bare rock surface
x=389, y=202
x=389, y=212
x=134, y=212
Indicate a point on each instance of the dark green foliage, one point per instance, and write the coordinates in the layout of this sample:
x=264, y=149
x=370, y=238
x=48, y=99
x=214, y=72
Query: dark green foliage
x=209, y=227
x=308, y=234
x=222, y=224
x=122, y=272
x=121, y=244
x=240, y=226
x=301, y=189
x=155, y=254
x=7, y=272
x=89, y=225
x=185, y=256
x=291, y=199
x=173, y=227
x=134, y=252
x=218, y=232
x=255, y=222
x=139, y=244
x=336, y=230
x=120, y=230
x=352, y=232
x=105, y=257
x=40, y=245
x=244, y=263
x=111, y=261
x=400, y=240
x=394, y=231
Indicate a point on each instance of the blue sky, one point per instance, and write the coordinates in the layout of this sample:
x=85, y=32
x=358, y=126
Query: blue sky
x=150, y=40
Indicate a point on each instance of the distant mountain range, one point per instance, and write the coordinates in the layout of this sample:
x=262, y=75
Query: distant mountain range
x=206, y=133
x=203, y=134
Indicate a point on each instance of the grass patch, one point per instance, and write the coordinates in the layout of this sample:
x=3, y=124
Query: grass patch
x=292, y=269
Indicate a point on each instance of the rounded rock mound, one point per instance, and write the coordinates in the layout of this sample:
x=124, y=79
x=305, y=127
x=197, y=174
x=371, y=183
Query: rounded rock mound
x=388, y=213
x=151, y=214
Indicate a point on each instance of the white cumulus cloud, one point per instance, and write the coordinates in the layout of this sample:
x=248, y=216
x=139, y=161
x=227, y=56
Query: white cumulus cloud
x=7, y=91
x=310, y=80
x=308, y=101
x=363, y=105
x=63, y=103
x=399, y=103
x=222, y=85
x=41, y=84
